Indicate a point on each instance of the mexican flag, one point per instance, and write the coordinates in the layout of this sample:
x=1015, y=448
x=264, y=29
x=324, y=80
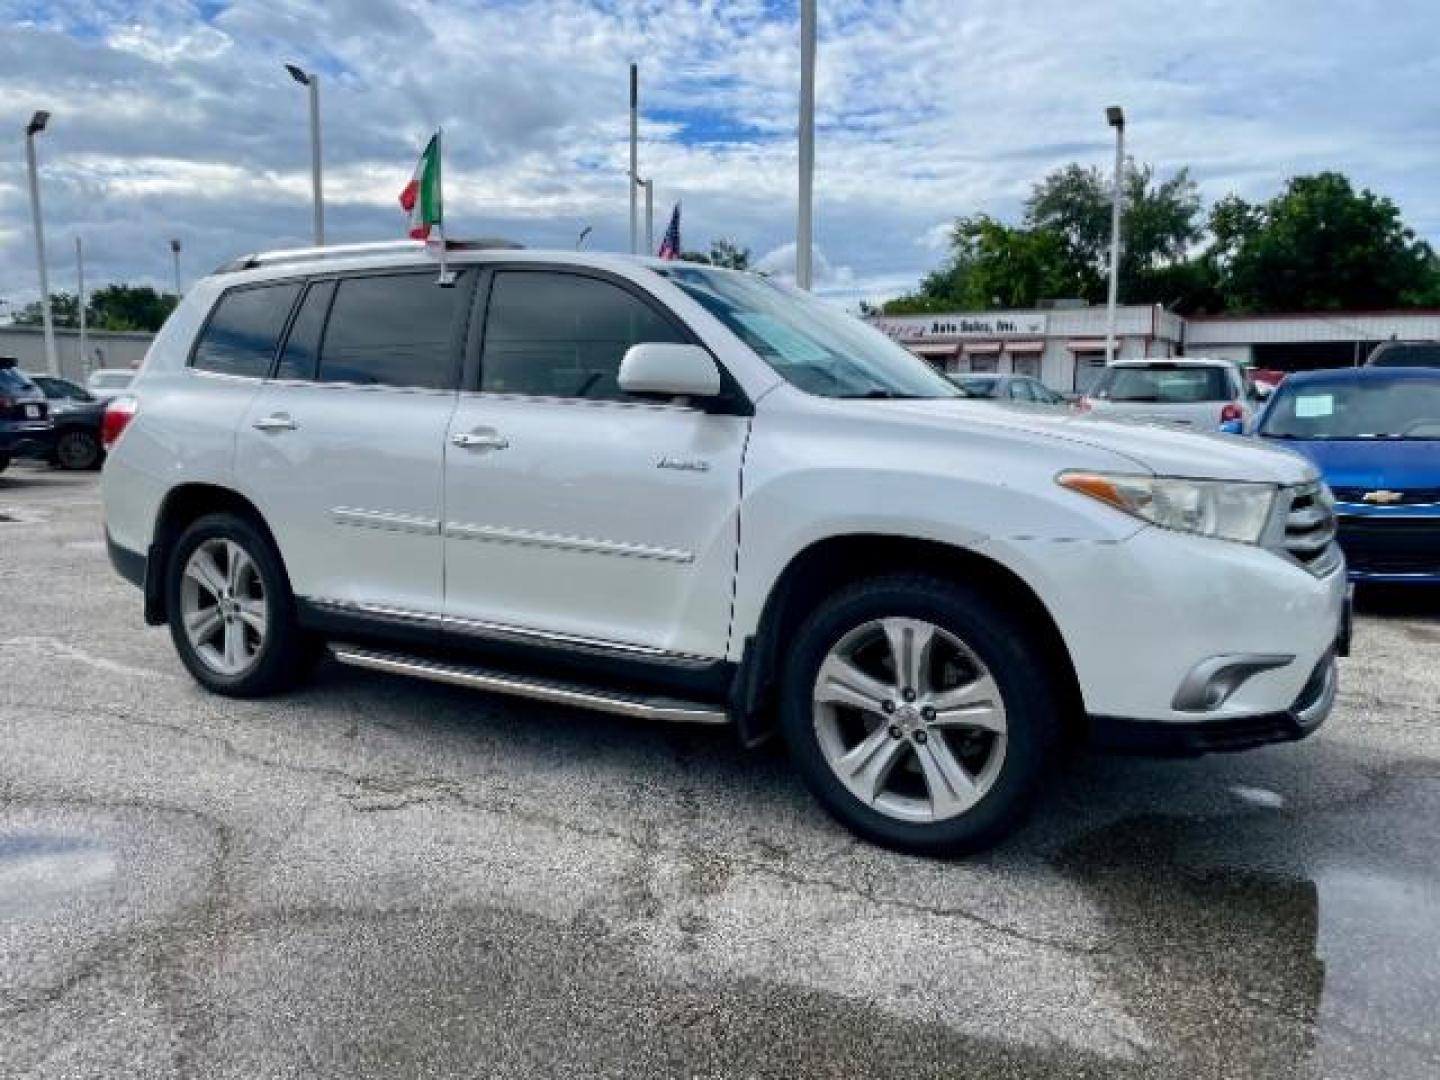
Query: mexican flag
x=421, y=197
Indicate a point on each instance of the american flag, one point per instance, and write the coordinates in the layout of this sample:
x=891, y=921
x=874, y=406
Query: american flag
x=670, y=246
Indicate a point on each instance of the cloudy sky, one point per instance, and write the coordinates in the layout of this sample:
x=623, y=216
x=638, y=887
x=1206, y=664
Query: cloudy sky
x=174, y=118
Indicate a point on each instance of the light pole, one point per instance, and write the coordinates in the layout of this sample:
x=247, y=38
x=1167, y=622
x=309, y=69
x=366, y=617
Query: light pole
x=803, y=233
x=1115, y=117
x=80, y=301
x=37, y=125
x=175, y=258
x=634, y=151
x=312, y=81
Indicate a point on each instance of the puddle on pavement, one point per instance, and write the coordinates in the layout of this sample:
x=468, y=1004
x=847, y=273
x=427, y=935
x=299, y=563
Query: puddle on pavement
x=1279, y=942
x=38, y=869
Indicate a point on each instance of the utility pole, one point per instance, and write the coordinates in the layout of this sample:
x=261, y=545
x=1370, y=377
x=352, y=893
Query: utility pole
x=80, y=302
x=804, y=239
x=634, y=151
x=1115, y=117
x=311, y=81
x=37, y=125
x=175, y=257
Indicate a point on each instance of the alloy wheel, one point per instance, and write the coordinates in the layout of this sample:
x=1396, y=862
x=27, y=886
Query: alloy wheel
x=223, y=607
x=910, y=719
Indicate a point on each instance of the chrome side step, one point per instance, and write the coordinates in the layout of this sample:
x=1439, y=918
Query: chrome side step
x=557, y=693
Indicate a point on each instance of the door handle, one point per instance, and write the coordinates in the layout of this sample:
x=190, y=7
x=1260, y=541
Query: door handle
x=479, y=440
x=275, y=422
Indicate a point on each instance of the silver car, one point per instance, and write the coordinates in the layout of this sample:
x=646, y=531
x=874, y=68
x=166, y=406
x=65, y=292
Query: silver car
x=1190, y=391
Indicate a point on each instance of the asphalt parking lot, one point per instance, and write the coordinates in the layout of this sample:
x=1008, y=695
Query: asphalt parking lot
x=377, y=877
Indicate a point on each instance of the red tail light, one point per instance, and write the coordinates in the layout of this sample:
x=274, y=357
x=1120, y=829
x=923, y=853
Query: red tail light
x=118, y=414
x=1231, y=411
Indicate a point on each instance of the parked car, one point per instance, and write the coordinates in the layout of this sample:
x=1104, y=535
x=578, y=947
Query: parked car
x=1006, y=388
x=1374, y=433
x=1191, y=391
x=1406, y=354
x=685, y=493
x=77, y=414
x=107, y=383
x=25, y=424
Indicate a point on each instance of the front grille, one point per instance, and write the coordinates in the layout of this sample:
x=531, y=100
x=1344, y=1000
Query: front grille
x=1382, y=544
x=1408, y=497
x=1310, y=528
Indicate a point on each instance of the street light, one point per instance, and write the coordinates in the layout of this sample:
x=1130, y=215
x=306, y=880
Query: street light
x=312, y=81
x=37, y=125
x=649, y=186
x=1115, y=117
x=175, y=257
x=803, y=226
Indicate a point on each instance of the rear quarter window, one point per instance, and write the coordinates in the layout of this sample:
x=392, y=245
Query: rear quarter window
x=244, y=330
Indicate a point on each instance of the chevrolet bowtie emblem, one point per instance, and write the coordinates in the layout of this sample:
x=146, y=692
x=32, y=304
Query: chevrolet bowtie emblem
x=1382, y=498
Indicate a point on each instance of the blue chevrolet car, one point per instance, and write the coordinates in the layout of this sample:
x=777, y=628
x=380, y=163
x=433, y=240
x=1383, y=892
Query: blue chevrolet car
x=1374, y=433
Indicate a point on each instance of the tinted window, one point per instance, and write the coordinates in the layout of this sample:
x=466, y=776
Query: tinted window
x=1167, y=383
x=1407, y=354
x=982, y=388
x=118, y=380
x=1019, y=390
x=302, y=347
x=562, y=335
x=10, y=379
x=242, y=334
x=392, y=330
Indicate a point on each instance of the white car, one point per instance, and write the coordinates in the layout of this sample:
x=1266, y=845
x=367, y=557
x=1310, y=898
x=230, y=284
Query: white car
x=690, y=494
x=1189, y=391
x=108, y=383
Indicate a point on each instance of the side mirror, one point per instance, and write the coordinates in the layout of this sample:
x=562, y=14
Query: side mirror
x=669, y=371
x=1233, y=427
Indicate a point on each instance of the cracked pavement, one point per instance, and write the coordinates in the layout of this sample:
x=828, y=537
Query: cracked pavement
x=379, y=877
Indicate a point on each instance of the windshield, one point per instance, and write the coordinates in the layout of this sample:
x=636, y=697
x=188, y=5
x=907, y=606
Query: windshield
x=984, y=388
x=1386, y=409
x=1407, y=354
x=809, y=343
x=10, y=379
x=1167, y=383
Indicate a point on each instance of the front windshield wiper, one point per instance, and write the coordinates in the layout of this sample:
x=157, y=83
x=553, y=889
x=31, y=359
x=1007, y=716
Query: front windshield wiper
x=880, y=394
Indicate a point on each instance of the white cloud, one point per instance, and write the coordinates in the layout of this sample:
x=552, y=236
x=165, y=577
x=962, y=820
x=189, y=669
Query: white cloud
x=171, y=122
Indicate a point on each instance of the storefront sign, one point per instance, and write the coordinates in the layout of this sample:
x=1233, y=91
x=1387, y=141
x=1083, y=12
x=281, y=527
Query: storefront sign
x=959, y=327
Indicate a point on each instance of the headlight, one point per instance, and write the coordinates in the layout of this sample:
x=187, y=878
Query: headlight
x=1224, y=509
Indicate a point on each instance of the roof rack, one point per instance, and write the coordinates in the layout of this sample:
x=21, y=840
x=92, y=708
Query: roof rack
x=377, y=247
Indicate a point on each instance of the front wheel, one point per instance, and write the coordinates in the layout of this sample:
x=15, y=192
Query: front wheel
x=232, y=616
x=920, y=714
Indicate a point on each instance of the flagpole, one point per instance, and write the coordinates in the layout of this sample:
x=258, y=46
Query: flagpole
x=446, y=278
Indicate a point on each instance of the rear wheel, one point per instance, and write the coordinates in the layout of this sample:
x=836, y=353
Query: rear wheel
x=919, y=715
x=77, y=450
x=231, y=613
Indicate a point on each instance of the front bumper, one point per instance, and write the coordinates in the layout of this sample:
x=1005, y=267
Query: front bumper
x=1399, y=545
x=1155, y=738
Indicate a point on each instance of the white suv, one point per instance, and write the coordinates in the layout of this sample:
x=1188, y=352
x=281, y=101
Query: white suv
x=684, y=493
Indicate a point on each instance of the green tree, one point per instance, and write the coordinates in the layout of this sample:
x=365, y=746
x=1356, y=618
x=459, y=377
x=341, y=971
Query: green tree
x=722, y=252
x=1319, y=245
x=1062, y=247
x=64, y=311
x=129, y=307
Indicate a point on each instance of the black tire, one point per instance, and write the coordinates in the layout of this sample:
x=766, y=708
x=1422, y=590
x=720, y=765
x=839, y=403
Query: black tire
x=285, y=655
x=78, y=450
x=1006, y=646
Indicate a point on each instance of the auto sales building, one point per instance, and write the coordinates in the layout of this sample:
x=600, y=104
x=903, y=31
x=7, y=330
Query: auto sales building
x=1064, y=346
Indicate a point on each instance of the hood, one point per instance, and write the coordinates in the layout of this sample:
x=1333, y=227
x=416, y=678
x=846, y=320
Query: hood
x=1370, y=464
x=1162, y=450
